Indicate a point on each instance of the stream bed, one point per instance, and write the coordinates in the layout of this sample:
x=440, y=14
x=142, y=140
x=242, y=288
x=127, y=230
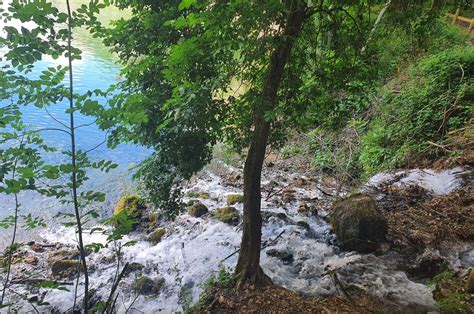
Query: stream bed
x=300, y=251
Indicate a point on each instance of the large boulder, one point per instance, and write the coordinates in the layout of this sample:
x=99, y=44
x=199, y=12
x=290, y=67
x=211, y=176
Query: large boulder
x=358, y=223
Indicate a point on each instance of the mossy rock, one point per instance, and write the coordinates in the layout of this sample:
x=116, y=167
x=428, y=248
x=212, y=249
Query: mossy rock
x=191, y=202
x=65, y=268
x=152, y=220
x=358, y=223
x=228, y=214
x=156, y=236
x=202, y=195
x=131, y=205
x=234, y=199
x=198, y=209
x=147, y=286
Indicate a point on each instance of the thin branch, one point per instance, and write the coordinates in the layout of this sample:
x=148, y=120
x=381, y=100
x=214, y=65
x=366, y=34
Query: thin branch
x=377, y=21
x=57, y=120
x=86, y=124
x=114, y=288
x=98, y=145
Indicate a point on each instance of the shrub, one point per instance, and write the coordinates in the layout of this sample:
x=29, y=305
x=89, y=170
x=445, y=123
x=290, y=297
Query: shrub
x=454, y=303
x=435, y=99
x=291, y=151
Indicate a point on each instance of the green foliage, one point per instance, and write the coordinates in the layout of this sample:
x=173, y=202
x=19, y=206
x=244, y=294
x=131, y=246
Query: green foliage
x=195, y=72
x=10, y=249
x=445, y=275
x=291, y=151
x=225, y=279
x=185, y=297
x=228, y=155
x=455, y=303
x=436, y=98
x=23, y=153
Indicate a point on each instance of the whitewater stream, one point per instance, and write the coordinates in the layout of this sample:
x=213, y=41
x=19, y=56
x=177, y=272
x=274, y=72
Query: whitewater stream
x=195, y=248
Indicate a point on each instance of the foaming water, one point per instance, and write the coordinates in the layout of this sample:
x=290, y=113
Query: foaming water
x=194, y=248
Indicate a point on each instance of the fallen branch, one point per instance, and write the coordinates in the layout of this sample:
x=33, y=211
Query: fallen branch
x=270, y=194
x=38, y=280
x=263, y=246
x=440, y=146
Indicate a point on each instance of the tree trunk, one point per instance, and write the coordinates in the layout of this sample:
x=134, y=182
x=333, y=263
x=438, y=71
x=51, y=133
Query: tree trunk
x=248, y=265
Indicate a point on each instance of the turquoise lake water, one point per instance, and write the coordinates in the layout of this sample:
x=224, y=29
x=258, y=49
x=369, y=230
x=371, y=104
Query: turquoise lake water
x=96, y=70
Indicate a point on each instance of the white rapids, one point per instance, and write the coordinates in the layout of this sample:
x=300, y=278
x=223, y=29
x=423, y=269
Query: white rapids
x=195, y=248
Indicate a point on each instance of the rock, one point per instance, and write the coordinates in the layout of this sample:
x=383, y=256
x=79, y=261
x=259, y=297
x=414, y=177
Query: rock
x=156, y=236
x=300, y=182
x=429, y=264
x=152, y=220
x=358, y=223
x=31, y=260
x=329, y=181
x=133, y=267
x=108, y=259
x=65, y=268
x=202, y=195
x=198, y=209
x=303, y=208
x=303, y=224
x=285, y=256
x=130, y=207
x=281, y=216
x=466, y=258
x=147, y=286
x=191, y=202
x=288, y=195
x=227, y=214
x=470, y=282
x=38, y=248
x=64, y=253
x=267, y=215
x=234, y=199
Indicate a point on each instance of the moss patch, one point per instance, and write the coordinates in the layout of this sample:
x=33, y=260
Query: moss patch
x=131, y=205
x=202, y=195
x=156, y=236
x=234, y=199
x=227, y=214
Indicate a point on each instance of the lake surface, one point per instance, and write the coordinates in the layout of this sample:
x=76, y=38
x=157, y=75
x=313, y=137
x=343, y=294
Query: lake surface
x=96, y=70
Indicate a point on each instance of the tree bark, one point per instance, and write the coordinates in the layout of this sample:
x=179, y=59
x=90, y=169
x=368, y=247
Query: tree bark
x=248, y=265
